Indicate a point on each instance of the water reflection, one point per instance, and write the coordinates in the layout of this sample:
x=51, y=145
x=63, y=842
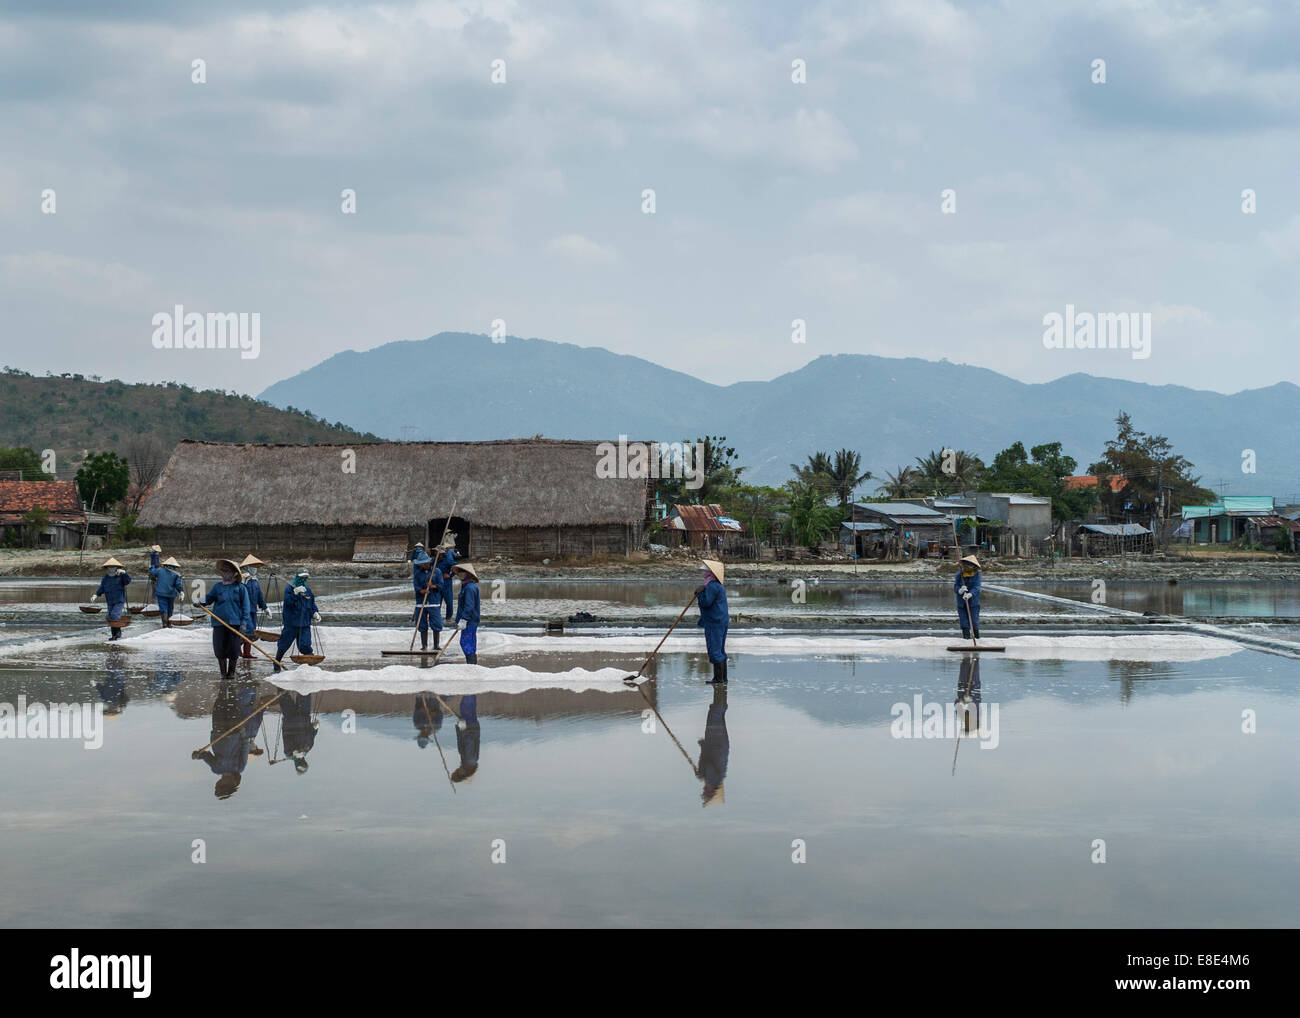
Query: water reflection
x=715, y=750
x=297, y=728
x=236, y=720
x=113, y=689
x=467, y=739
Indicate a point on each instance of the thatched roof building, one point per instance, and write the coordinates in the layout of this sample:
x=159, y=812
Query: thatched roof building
x=526, y=497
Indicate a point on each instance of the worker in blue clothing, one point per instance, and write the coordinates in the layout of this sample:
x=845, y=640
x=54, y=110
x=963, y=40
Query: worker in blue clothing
x=711, y=596
x=427, y=718
x=297, y=613
x=446, y=566
x=715, y=750
x=229, y=603
x=467, y=613
x=256, y=599
x=112, y=588
x=427, y=581
x=168, y=587
x=966, y=585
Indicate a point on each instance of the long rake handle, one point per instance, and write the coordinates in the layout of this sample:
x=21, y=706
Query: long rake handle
x=429, y=586
x=248, y=640
x=646, y=663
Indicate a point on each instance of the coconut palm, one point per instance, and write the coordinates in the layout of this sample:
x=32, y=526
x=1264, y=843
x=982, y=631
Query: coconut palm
x=900, y=484
x=846, y=473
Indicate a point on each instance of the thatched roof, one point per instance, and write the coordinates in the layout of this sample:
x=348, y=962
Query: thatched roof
x=516, y=483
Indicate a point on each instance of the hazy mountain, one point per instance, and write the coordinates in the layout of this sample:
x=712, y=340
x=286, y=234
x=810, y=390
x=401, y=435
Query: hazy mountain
x=458, y=387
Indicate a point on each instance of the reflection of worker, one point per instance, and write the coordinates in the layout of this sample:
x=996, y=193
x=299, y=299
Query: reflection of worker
x=113, y=689
x=467, y=739
x=228, y=755
x=968, y=692
x=427, y=718
x=297, y=728
x=715, y=749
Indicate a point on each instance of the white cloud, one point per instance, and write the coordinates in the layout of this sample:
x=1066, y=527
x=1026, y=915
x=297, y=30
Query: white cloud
x=578, y=248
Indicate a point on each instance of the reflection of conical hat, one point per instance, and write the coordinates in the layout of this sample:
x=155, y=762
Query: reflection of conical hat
x=714, y=566
x=111, y=563
x=972, y=560
x=251, y=560
x=465, y=567
x=171, y=561
x=718, y=797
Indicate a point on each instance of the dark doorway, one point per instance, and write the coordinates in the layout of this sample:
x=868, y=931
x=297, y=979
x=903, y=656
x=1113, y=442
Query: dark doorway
x=459, y=526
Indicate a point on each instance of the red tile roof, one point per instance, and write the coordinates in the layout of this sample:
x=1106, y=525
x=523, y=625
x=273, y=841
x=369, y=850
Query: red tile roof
x=59, y=497
x=1117, y=482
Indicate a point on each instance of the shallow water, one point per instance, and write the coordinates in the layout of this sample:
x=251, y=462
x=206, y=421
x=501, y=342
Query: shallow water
x=601, y=822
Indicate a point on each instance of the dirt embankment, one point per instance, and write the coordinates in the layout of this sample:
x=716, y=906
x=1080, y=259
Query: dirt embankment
x=1201, y=566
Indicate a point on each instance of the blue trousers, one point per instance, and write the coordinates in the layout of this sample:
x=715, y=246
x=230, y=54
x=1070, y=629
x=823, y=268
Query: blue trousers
x=288, y=634
x=165, y=604
x=431, y=617
x=469, y=639
x=115, y=611
x=715, y=641
x=974, y=612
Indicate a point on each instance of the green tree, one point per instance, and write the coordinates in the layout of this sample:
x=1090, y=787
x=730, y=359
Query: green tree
x=963, y=472
x=1041, y=471
x=20, y=458
x=847, y=473
x=903, y=483
x=103, y=480
x=809, y=519
x=35, y=521
x=720, y=471
x=1149, y=466
x=816, y=472
x=755, y=506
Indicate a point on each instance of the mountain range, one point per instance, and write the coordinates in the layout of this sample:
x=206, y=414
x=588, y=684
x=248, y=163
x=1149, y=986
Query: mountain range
x=465, y=387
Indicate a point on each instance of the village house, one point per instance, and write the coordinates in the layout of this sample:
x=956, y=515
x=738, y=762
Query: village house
x=915, y=529
x=68, y=522
x=1225, y=520
x=702, y=527
x=526, y=498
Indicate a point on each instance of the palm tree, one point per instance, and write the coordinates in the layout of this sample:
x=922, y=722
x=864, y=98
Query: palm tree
x=901, y=484
x=846, y=473
x=963, y=470
x=816, y=472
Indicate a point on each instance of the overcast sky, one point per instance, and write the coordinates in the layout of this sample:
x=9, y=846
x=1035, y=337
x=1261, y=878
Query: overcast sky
x=775, y=200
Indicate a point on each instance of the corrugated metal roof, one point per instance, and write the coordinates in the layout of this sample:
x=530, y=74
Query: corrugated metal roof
x=900, y=509
x=1248, y=505
x=866, y=526
x=702, y=518
x=1116, y=529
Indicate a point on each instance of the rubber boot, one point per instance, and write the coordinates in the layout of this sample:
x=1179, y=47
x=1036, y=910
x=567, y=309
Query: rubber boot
x=965, y=632
x=276, y=666
x=248, y=650
x=471, y=659
x=424, y=639
x=717, y=679
x=724, y=672
x=436, y=641
x=167, y=622
x=977, y=632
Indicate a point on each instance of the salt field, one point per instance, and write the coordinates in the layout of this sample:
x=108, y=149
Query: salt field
x=923, y=787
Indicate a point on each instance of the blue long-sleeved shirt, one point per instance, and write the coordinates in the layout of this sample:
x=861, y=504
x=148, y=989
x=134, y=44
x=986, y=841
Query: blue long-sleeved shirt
x=166, y=582
x=298, y=609
x=972, y=584
x=713, y=606
x=229, y=602
x=113, y=587
x=256, y=599
x=467, y=607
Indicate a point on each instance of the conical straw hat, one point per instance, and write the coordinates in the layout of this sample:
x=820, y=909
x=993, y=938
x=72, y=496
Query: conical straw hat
x=715, y=567
x=171, y=561
x=251, y=560
x=465, y=567
x=973, y=561
x=110, y=563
